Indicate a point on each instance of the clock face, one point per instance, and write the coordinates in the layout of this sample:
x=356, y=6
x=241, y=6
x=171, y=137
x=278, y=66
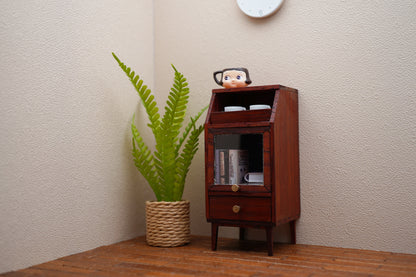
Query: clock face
x=259, y=8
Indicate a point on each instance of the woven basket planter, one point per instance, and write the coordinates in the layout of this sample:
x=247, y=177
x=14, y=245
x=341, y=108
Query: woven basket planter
x=167, y=223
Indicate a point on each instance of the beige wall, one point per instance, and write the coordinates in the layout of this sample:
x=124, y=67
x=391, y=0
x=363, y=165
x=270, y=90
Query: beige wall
x=354, y=65
x=66, y=177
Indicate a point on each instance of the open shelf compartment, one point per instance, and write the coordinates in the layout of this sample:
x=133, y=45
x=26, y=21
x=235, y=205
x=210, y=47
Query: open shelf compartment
x=244, y=97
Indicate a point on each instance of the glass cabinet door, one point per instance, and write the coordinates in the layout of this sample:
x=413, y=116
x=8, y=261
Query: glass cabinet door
x=240, y=159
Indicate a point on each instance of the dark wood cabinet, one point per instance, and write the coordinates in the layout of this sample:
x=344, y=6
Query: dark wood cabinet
x=263, y=143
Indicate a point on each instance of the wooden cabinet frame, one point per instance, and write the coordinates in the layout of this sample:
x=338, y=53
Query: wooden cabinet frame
x=275, y=202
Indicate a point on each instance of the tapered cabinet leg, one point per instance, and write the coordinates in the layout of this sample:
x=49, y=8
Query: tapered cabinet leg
x=292, y=232
x=214, y=236
x=269, y=234
x=242, y=233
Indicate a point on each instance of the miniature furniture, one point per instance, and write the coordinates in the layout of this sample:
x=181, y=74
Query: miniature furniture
x=266, y=145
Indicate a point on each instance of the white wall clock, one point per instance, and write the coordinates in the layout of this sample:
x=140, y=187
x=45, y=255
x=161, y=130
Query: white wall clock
x=259, y=8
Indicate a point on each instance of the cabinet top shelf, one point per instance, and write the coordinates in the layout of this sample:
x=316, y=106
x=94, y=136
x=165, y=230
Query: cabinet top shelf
x=245, y=97
x=251, y=88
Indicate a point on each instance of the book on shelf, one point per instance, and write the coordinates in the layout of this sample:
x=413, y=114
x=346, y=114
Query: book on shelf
x=230, y=166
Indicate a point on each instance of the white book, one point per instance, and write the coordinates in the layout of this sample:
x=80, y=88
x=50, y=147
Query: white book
x=221, y=167
x=238, y=166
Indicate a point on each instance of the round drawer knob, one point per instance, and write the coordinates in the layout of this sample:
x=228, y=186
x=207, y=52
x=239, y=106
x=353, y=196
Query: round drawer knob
x=235, y=187
x=236, y=209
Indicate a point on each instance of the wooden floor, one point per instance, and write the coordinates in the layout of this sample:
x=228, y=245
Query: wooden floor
x=233, y=258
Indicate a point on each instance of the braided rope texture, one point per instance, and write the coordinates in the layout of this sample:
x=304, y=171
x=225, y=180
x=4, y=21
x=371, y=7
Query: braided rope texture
x=167, y=223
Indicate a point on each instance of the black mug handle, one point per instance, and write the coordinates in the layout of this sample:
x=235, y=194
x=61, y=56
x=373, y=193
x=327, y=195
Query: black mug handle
x=215, y=77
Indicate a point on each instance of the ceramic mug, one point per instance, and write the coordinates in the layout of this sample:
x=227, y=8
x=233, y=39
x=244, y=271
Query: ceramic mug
x=234, y=108
x=235, y=77
x=259, y=107
x=254, y=177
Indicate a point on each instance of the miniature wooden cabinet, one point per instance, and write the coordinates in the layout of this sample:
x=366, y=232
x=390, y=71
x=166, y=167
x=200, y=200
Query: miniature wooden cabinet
x=263, y=143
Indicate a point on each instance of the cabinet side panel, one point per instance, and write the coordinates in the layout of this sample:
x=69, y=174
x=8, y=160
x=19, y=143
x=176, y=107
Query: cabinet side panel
x=209, y=164
x=211, y=108
x=287, y=186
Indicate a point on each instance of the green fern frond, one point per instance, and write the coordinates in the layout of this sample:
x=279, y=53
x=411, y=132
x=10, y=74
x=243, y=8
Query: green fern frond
x=188, y=128
x=143, y=160
x=185, y=159
x=170, y=126
x=175, y=108
x=145, y=94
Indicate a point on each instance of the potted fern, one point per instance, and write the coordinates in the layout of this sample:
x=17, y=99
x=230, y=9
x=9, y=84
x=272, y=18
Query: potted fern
x=165, y=169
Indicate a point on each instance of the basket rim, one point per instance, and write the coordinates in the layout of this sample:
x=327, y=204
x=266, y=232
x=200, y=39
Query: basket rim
x=166, y=202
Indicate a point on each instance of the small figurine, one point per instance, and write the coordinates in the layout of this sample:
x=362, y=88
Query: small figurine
x=233, y=77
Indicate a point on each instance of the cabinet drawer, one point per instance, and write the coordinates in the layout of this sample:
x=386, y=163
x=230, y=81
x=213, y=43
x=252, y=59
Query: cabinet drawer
x=240, y=208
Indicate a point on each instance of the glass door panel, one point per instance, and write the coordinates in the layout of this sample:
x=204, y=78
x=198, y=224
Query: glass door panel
x=238, y=159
